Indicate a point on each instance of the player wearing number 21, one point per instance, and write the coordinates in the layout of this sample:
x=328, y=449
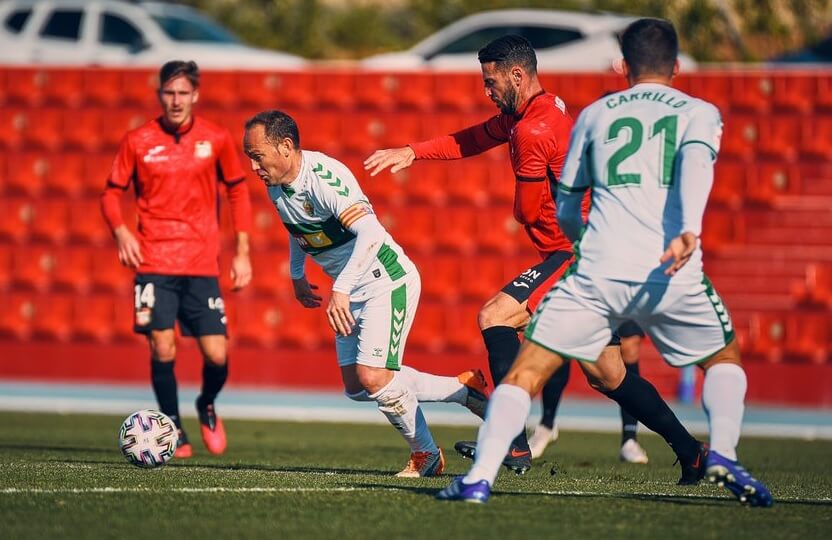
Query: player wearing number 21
x=647, y=153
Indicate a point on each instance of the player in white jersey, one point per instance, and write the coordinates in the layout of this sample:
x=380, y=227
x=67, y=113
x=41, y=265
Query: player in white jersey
x=376, y=287
x=647, y=153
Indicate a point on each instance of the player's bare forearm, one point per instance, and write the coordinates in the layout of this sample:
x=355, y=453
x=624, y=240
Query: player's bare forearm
x=394, y=158
x=243, y=246
x=305, y=293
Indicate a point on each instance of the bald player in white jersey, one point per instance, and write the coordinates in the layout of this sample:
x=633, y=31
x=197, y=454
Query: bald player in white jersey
x=647, y=153
x=375, y=291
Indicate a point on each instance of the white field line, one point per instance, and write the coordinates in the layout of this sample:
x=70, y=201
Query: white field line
x=336, y=489
x=371, y=416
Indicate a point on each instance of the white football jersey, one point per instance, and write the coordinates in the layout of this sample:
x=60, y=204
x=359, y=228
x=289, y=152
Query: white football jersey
x=624, y=147
x=318, y=207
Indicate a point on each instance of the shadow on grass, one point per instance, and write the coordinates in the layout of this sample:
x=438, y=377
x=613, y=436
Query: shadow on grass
x=53, y=448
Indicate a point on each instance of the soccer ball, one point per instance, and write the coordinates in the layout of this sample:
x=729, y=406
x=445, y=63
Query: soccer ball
x=148, y=439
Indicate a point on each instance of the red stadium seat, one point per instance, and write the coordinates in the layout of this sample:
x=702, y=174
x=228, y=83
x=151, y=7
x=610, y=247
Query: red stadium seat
x=83, y=128
x=482, y=277
x=32, y=267
x=271, y=272
x=461, y=330
x=5, y=266
x=401, y=129
x=86, y=223
x=335, y=89
x=428, y=330
x=102, y=86
x=16, y=312
x=124, y=307
x=256, y=321
x=73, y=269
x=426, y=181
x=53, y=316
x=108, y=274
x=376, y=91
x=498, y=232
x=139, y=88
x=740, y=136
x=65, y=174
x=51, y=220
x=468, y=181
x=44, y=129
x=459, y=92
x=256, y=89
x=94, y=317
x=15, y=216
x=779, y=136
x=718, y=229
x=502, y=184
x=577, y=90
x=96, y=170
x=441, y=276
x=119, y=122
x=793, y=92
x=267, y=231
x=27, y=173
x=729, y=183
x=362, y=132
x=218, y=89
x=13, y=124
x=298, y=326
x=414, y=228
x=295, y=90
x=816, y=142
x=769, y=180
x=456, y=229
x=815, y=289
x=750, y=92
x=767, y=336
x=64, y=87
x=24, y=86
x=807, y=337
x=320, y=131
x=415, y=91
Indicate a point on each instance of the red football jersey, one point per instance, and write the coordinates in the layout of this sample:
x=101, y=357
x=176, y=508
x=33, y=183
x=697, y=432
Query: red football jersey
x=176, y=178
x=538, y=138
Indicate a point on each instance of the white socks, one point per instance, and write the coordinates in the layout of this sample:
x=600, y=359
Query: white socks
x=723, y=397
x=429, y=387
x=508, y=410
x=398, y=403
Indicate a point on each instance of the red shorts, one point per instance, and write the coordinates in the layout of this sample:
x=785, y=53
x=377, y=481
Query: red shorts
x=533, y=284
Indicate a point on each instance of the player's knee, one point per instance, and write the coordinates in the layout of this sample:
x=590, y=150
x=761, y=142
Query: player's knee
x=730, y=354
x=163, y=350
x=531, y=381
x=373, y=379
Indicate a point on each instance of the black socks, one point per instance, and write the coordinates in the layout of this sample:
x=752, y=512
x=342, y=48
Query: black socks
x=503, y=345
x=642, y=400
x=213, y=379
x=552, y=392
x=164, y=386
x=629, y=423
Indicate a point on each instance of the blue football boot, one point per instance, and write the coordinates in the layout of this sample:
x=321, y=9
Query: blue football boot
x=733, y=477
x=458, y=490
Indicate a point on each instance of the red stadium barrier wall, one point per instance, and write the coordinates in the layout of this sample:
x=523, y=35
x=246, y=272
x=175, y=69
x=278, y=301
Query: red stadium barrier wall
x=784, y=384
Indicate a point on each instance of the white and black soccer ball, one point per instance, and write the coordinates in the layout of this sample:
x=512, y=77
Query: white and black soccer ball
x=148, y=438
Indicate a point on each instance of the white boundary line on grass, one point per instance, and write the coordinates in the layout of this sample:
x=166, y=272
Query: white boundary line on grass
x=336, y=489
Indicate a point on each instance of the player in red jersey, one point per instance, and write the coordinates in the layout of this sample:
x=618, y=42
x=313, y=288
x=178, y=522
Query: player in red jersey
x=536, y=126
x=177, y=163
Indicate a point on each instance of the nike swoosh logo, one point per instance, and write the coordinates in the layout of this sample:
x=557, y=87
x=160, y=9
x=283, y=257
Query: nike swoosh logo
x=515, y=453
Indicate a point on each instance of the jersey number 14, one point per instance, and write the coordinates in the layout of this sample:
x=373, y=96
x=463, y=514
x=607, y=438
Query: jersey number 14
x=665, y=128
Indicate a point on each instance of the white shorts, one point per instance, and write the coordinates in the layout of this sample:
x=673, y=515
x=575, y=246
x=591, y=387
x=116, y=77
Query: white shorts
x=382, y=324
x=687, y=323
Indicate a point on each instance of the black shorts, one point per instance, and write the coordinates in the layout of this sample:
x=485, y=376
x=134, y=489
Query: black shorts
x=533, y=283
x=195, y=301
x=630, y=329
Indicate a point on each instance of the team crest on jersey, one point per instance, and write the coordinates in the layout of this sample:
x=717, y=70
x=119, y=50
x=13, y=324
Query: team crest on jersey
x=203, y=149
x=308, y=208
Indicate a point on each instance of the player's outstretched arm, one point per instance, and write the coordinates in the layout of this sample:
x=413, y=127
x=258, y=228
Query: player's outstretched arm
x=395, y=158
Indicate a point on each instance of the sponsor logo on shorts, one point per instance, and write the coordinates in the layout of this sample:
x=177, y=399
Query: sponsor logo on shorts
x=378, y=352
x=527, y=278
x=143, y=316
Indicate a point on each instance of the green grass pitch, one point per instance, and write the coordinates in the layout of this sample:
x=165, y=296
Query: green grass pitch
x=62, y=476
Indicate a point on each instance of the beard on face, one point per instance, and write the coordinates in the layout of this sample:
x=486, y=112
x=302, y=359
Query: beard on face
x=507, y=104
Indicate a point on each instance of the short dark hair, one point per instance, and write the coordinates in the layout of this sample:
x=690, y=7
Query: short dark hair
x=650, y=46
x=278, y=126
x=175, y=68
x=510, y=50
